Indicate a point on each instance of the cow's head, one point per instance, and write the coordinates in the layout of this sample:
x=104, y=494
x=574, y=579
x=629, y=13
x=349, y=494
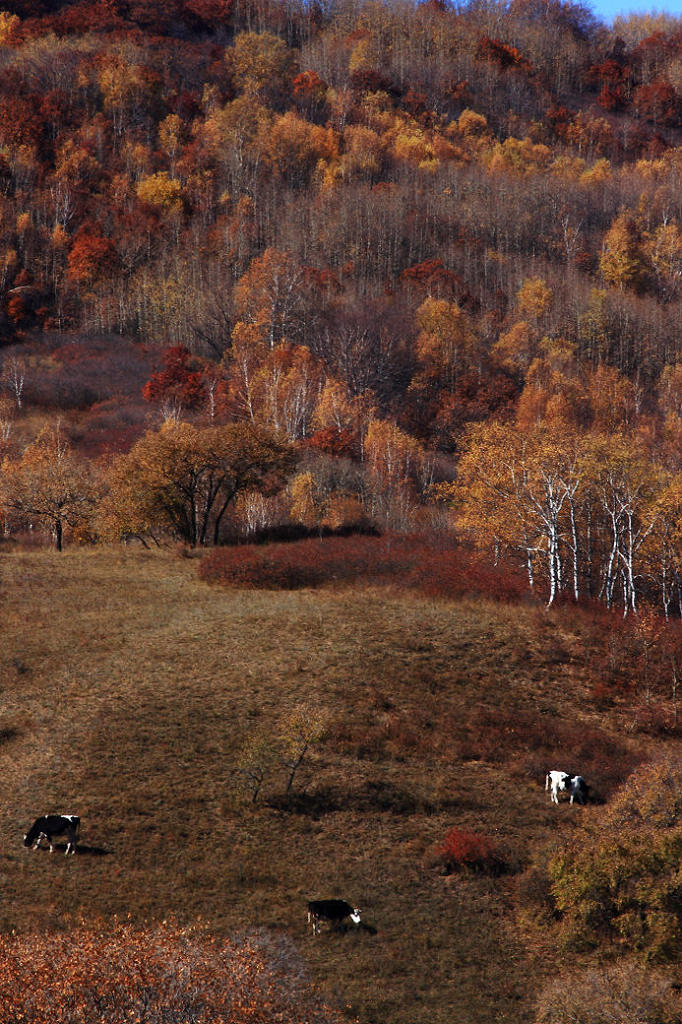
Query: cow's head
x=355, y=916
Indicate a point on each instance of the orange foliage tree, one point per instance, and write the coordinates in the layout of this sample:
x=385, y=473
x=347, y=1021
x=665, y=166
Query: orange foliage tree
x=155, y=974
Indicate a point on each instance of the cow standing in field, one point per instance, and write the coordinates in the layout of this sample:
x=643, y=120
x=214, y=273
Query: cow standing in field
x=334, y=911
x=563, y=782
x=50, y=825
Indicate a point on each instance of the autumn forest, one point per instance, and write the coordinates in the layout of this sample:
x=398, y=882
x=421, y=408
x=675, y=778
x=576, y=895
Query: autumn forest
x=341, y=454
x=421, y=250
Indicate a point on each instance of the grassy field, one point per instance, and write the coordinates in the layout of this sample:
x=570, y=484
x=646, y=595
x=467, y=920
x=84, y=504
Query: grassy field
x=128, y=689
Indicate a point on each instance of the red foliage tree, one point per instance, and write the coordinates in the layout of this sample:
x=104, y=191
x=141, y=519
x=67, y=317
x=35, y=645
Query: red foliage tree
x=434, y=278
x=334, y=441
x=657, y=102
x=504, y=56
x=209, y=13
x=91, y=257
x=178, y=382
x=310, y=93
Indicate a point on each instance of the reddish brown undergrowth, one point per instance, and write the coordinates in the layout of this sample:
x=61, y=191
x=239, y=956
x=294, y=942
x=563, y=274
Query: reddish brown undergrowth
x=540, y=743
x=433, y=565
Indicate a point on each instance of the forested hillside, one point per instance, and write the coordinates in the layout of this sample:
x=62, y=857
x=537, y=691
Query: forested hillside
x=400, y=262
x=341, y=348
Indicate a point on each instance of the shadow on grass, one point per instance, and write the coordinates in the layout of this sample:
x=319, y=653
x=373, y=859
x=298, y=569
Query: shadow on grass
x=373, y=796
x=347, y=928
x=83, y=850
x=92, y=851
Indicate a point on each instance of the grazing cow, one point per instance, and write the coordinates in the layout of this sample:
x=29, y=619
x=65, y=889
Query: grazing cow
x=50, y=825
x=334, y=911
x=563, y=782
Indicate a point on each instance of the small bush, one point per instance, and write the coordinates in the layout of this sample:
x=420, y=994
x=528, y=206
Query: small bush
x=464, y=850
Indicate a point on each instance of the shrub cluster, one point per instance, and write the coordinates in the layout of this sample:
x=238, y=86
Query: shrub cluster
x=161, y=975
x=497, y=734
x=437, y=568
x=618, y=881
x=618, y=994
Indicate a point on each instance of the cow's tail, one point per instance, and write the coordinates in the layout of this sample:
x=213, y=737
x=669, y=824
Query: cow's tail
x=547, y=781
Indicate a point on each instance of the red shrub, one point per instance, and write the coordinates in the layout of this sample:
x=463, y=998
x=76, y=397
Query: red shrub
x=305, y=563
x=437, y=569
x=465, y=850
x=453, y=572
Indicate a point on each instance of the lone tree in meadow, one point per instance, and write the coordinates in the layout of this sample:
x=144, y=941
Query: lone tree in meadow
x=49, y=483
x=182, y=479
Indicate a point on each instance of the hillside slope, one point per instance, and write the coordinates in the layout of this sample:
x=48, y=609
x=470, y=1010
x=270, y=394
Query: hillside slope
x=129, y=689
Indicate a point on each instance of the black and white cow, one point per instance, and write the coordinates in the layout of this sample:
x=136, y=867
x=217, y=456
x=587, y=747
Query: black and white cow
x=50, y=825
x=563, y=782
x=334, y=911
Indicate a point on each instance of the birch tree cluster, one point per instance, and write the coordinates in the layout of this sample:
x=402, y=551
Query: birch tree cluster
x=588, y=515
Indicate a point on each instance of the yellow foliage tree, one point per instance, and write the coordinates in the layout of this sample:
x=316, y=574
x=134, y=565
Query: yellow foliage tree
x=163, y=191
x=519, y=157
x=621, y=263
x=182, y=479
x=394, y=459
x=307, y=506
x=284, y=390
x=534, y=298
x=516, y=347
x=262, y=65
x=50, y=483
x=664, y=251
x=447, y=344
x=9, y=28
x=267, y=301
x=294, y=147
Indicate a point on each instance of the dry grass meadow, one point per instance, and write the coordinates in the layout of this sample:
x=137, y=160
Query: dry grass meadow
x=128, y=688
